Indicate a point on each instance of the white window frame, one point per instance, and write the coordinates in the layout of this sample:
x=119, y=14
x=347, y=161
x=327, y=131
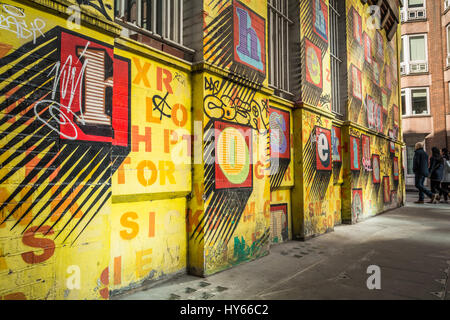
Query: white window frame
x=172, y=27
x=403, y=93
x=335, y=61
x=408, y=98
x=408, y=67
x=446, y=4
x=448, y=45
x=413, y=14
x=278, y=51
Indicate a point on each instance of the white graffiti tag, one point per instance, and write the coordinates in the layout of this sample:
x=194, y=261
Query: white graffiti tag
x=56, y=112
x=12, y=19
x=70, y=82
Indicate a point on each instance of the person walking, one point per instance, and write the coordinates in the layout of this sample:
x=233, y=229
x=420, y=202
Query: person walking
x=436, y=170
x=420, y=169
x=446, y=176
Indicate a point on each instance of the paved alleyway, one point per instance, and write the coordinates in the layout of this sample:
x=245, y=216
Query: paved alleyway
x=411, y=245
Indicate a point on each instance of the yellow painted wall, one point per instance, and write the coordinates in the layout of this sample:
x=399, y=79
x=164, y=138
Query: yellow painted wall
x=374, y=109
x=282, y=170
x=41, y=178
x=232, y=223
x=124, y=188
x=148, y=239
x=110, y=213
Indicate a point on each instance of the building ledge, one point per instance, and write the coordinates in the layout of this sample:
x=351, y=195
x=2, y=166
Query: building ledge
x=417, y=124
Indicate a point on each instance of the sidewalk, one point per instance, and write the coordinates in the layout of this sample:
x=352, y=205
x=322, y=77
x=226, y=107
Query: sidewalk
x=411, y=245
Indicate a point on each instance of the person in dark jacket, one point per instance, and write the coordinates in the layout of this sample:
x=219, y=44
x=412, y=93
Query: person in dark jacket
x=446, y=179
x=420, y=169
x=436, y=170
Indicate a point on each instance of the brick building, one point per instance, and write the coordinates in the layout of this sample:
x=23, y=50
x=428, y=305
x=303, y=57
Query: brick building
x=425, y=76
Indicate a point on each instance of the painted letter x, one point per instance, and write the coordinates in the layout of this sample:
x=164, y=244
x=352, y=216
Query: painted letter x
x=142, y=72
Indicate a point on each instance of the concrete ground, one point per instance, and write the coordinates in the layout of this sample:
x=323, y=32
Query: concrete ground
x=411, y=245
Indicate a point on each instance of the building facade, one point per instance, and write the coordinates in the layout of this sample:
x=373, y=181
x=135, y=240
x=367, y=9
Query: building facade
x=425, y=76
x=144, y=139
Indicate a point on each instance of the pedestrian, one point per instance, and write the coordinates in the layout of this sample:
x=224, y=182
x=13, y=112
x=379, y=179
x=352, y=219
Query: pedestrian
x=436, y=170
x=446, y=176
x=420, y=169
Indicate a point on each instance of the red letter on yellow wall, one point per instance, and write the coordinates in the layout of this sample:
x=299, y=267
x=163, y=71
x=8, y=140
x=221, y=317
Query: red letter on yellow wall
x=46, y=244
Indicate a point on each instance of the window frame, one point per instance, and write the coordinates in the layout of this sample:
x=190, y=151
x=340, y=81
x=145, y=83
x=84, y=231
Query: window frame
x=275, y=49
x=406, y=10
x=336, y=105
x=406, y=64
x=173, y=36
x=447, y=28
x=408, y=99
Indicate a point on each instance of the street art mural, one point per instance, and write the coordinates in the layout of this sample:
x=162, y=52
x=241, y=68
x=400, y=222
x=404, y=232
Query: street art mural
x=148, y=229
x=373, y=60
x=376, y=169
x=103, y=7
x=235, y=37
x=121, y=164
x=357, y=203
x=58, y=122
x=366, y=155
x=316, y=85
x=234, y=218
x=378, y=183
x=320, y=205
x=322, y=141
x=355, y=153
x=280, y=145
x=279, y=230
x=74, y=150
x=372, y=104
x=336, y=141
x=56, y=168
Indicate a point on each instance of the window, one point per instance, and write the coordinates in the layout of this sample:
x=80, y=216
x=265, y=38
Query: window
x=403, y=102
x=278, y=24
x=334, y=57
x=446, y=4
x=415, y=101
x=448, y=46
x=413, y=10
x=159, y=17
x=414, y=55
x=409, y=158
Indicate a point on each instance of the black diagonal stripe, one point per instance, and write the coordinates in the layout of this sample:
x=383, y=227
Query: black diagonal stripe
x=21, y=93
x=47, y=173
x=44, y=161
x=27, y=131
x=41, y=131
x=28, y=47
x=231, y=212
x=85, y=159
x=39, y=148
x=93, y=216
x=94, y=202
x=46, y=54
x=217, y=211
x=216, y=198
x=81, y=178
x=105, y=175
x=38, y=68
x=235, y=216
x=26, y=116
x=225, y=213
x=36, y=95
